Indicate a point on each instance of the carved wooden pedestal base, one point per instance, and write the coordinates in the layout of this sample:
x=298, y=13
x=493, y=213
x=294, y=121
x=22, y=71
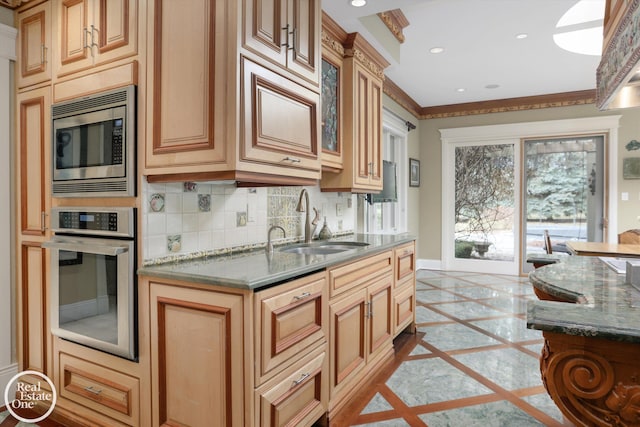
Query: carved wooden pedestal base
x=594, y=382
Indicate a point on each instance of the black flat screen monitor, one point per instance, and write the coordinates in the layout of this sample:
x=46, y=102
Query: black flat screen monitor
x=389, y=191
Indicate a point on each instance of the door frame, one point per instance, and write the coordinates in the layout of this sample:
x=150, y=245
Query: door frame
x=515, y=133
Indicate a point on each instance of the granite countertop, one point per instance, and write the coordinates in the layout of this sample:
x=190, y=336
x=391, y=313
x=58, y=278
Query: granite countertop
x=255, y=269
x=601, y=304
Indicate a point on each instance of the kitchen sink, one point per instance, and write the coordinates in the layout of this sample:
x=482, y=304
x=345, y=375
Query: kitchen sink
x=322, y=248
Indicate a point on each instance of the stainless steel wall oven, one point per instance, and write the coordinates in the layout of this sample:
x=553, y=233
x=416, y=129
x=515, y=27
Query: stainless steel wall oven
x=93, y=280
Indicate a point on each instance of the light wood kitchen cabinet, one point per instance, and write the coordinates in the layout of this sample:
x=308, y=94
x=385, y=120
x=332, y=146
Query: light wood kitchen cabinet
x=225, y=116
x=362, y=120
x=33, y=135
x=296, y=397
x=360, y=320
x=197, y=356
x=34, y=45
x=331, y=90
x=404, y=288
x=34, y=160
x=291, y=319
x=287, y=33
x=100, y=388
x=34, y=344
x=93, y=32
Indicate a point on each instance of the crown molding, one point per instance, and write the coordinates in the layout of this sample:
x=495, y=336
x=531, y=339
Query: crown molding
x=537, y=102
x=359, y=48
x=395, y=22
x=394, y=92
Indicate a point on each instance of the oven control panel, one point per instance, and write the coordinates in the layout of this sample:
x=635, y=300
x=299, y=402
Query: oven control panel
x=95, y=221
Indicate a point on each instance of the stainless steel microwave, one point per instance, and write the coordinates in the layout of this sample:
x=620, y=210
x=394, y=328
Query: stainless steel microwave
x=94, y=145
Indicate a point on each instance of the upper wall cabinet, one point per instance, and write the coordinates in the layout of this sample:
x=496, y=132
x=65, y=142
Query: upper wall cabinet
x=363, y=76
x=219, y=112
x=93, y=32
x=286, y=32
x=34, y=45
x=331, y=86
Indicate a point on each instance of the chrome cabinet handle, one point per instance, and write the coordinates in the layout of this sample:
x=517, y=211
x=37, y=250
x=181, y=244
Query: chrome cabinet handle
x=87, y=34
x=294, y=33
x=286, y=30
x=43, y=54
x=302, y=296
x=300, y=380
x=93, y=41
x=43, y=221
x=95, y=391
x=291, y=159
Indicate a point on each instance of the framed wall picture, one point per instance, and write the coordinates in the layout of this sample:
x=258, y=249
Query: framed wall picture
x=414, y=173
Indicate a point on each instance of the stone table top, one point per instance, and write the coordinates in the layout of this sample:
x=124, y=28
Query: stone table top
x=598, y=301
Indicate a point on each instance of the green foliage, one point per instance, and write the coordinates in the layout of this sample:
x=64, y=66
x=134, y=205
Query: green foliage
x=556, y=185
x=463, y=249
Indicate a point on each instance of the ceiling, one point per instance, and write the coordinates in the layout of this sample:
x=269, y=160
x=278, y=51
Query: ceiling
x=481, y=48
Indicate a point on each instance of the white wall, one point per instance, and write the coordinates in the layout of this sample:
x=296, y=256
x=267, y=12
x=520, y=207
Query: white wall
x=8, y=367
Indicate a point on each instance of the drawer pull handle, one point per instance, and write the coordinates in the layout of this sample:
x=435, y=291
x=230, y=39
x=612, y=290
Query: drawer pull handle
x=302, y=296
x=300, y=380
x=291, y=159
x=90, y=389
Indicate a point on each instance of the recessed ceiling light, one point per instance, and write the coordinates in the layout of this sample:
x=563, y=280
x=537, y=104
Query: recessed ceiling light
x=522, y=36
x=358, y=3
x=460, y=89
x=492, y=86
x=436, y=50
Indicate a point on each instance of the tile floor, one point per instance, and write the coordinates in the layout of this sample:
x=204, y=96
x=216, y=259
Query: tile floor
x=472, y=363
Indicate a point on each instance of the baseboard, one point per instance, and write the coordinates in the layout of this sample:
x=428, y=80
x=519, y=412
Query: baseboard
x=428, y=264
x=6, y=373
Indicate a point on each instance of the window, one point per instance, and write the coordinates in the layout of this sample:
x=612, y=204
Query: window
x=391, y=217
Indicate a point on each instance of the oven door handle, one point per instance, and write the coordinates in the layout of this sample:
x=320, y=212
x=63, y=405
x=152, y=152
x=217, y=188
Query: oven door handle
x=83, y=247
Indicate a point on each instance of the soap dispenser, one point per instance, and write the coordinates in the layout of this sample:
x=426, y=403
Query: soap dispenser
x=325, y=233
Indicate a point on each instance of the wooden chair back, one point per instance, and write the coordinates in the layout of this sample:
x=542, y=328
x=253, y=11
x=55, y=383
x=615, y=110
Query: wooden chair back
x=630, y=237
x=547, y=242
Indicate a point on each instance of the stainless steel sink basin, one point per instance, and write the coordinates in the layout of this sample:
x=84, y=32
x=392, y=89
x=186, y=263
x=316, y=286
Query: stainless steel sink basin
x=322, y=248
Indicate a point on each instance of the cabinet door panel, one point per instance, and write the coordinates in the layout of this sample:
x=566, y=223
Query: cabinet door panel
x=303, y=53
x=197, y=352
x=34, y=45
x=33, y=307
x=33, y=139
x=298, y=399
x=185, y=104
x=404, y=308
x=74, y=27
x=265, y=28
x=292, y=318
x=348, y=323
x=271, y=104
x=380, y=319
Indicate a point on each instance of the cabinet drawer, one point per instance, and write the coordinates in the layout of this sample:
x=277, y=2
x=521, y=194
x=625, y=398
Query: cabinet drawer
x=104, y=390
x=298, y=397
x=354, y=274
x=292, y=318
x=404, y=309
x=280, y=122
x=405, y=262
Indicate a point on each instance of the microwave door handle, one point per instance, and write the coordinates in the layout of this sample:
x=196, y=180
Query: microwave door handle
x=94, y=249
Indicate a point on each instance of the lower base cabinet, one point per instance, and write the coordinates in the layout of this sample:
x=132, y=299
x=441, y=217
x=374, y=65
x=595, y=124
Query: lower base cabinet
x=197, y=356
x=297, y=398
x=288, y=355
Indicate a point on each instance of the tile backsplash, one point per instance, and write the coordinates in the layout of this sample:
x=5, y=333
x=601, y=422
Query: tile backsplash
x=185, y=219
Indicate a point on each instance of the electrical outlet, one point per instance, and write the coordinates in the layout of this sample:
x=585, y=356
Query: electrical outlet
x=625, y=196
x=338, y=209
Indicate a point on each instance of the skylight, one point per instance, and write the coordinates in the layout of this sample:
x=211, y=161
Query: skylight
x=580, y=28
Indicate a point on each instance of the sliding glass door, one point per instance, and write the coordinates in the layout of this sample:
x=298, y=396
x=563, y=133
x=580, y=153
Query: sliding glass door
x=563, y=192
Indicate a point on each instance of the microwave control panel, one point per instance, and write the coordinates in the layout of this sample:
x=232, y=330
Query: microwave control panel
x=98, y=221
